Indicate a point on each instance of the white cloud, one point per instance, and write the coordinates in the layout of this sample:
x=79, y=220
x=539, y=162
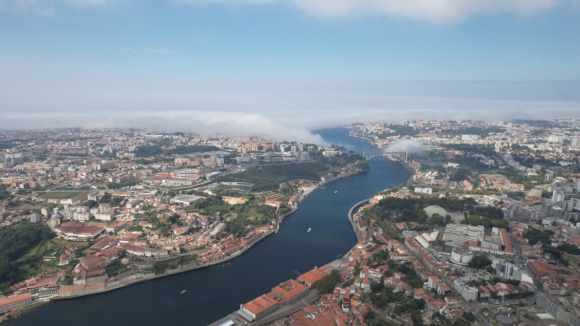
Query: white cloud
x=196, y=121
x=406, y=145
x=46, y=7
x=84, y=3
x=437, y=11
x=282, y=111
x=27, y=6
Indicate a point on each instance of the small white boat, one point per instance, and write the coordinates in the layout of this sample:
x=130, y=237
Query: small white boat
x=336, y=191
x=183, y=292
x=309, y=229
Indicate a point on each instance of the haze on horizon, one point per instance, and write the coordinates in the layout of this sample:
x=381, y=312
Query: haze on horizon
x=282, y=68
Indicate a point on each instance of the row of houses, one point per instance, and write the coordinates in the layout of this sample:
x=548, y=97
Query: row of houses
x=285, y=293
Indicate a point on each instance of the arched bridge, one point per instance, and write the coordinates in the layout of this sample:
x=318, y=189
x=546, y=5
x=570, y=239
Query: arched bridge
x=400, y=155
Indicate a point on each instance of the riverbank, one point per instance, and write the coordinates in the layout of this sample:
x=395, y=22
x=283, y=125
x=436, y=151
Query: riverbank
x=351, y=219
x=405, y=164
x=391, y=157
x=218, y=290
x=180, y=269
x=352, y=134
x=144, y=277
x=236, y=318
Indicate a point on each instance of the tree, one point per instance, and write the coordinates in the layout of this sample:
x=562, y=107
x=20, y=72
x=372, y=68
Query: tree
x=369, y=315
x=106, y=198
x=327, y=283
x=479, y=262
x=363, y=165
x=91, y=204
x=16, y=240
x=469, y=316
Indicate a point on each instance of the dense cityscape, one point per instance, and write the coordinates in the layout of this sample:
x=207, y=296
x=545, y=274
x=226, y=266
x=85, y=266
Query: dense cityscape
x=290, y=163
x=483, y=231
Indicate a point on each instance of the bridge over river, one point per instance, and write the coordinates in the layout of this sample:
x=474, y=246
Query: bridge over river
x=403, y=156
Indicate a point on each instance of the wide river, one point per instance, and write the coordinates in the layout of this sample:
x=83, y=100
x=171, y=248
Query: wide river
x=216, y=291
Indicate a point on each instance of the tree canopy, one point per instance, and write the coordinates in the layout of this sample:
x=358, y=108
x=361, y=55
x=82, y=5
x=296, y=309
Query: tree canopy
x=327, y=283
x=15, y=241
x=479, y=262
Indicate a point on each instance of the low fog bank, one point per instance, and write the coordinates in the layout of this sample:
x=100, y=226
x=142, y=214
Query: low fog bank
x=406, y=145
x=199, y=122
x=281, y=111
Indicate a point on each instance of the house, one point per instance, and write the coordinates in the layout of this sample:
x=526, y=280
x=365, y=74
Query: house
x=262, y=306
x=291, y=291
x=273, y=203
x=16, y=301
x=312, y=277
x=433, y=282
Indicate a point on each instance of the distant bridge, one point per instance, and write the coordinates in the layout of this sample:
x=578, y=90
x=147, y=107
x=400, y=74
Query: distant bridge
x=403, y=156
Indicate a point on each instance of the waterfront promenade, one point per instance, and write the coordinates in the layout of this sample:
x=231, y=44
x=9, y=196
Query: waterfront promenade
x=235, y=319
x=142, y=277
x=355, y=227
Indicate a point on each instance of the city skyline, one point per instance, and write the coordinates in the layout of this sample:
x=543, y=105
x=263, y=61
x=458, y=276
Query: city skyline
x=286, y=67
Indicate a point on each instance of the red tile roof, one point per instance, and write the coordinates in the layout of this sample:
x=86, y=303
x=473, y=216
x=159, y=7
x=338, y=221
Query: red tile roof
x=16, y=298
x=290, y=289
x=312, y=276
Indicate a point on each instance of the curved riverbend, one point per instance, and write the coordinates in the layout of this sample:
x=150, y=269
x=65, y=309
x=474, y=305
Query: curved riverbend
x=216, y=291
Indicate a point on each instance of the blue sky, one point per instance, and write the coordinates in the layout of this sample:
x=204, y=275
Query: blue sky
x=264, y=58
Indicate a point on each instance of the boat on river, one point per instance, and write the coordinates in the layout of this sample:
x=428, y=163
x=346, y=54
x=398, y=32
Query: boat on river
x=183, y=292
x=309, y=229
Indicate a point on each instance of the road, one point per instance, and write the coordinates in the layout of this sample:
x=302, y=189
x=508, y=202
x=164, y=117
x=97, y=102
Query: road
x=312, y=296
x=286, y=310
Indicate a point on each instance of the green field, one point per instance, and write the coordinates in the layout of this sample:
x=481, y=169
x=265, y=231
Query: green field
x=269, y=177
x=65, y=195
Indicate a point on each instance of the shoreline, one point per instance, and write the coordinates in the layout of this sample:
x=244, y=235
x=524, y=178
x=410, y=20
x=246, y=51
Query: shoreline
x=359, y=237
x=179, y=270
x=267, y=318
x=351, y=220
x=182, y=268
x=351, y=133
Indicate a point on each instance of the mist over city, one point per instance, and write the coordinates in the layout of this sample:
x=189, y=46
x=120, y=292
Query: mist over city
x=288, y=111
x=290, y=162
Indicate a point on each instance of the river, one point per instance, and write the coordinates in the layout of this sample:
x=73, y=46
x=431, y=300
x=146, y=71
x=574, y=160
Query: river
x=216, y=291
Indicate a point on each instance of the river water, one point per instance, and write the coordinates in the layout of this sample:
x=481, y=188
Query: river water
x=216, y=291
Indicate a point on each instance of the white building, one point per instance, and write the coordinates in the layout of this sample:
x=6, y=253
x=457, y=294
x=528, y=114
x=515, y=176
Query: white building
x=104, y=216
x=217, y=230
x=469, y=293
x=461, y=256
x=81, y=216
x=185, y=199
x=463, y=233
x=35, y=218
x=419, y=190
